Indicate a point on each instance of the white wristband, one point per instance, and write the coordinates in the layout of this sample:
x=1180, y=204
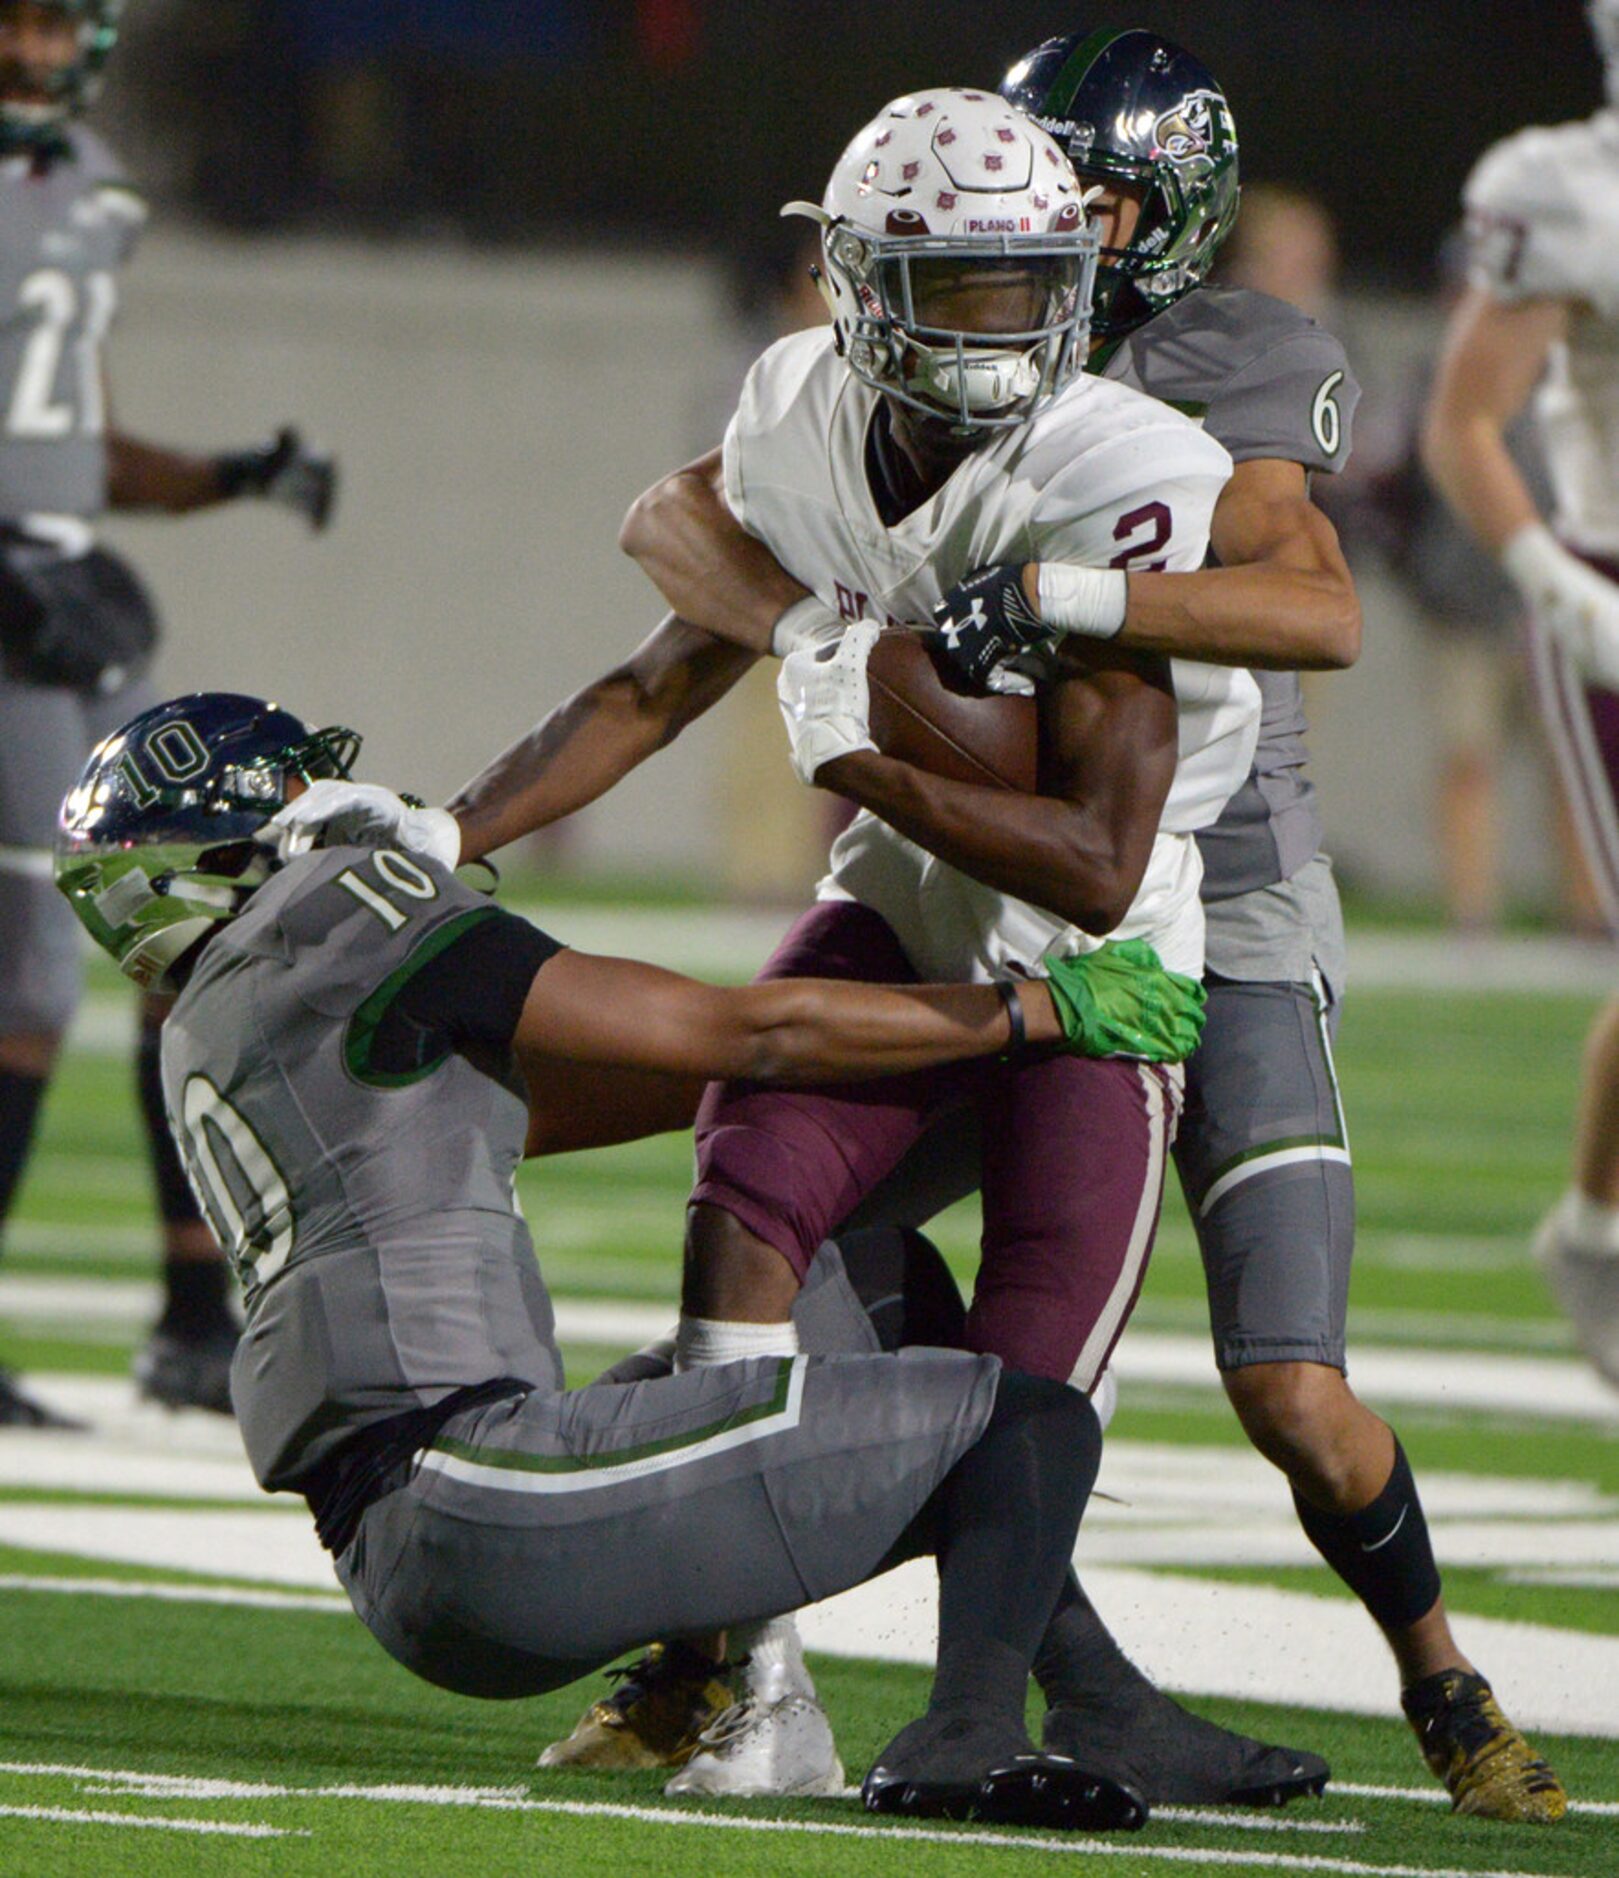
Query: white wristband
x=1534, y=559
x=437, y=833
x=1085, y=600
x=806, y=622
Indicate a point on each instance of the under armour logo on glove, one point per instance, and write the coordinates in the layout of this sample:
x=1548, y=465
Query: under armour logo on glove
x=986, y=620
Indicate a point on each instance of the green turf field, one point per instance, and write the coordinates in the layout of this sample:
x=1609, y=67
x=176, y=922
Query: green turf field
x=178, y=1693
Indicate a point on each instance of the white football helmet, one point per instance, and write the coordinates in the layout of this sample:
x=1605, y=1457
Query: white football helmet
x=1604, y=18
x=940, y=187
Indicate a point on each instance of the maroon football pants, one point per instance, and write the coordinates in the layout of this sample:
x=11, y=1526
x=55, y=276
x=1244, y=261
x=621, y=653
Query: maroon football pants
x=1073, y=1164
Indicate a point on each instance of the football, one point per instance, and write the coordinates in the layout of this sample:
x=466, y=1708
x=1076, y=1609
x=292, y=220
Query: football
x=924, y=712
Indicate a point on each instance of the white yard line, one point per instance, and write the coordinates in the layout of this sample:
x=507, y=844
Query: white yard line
x=218, y=1827
x=1465, y=1381
x=238, y=1595
x=1186, y=1507
x=516, y=1800
x=1605, y=1809
x=1255, y=1643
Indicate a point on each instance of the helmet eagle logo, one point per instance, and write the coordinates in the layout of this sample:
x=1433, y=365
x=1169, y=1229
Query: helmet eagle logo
x=1186, y=131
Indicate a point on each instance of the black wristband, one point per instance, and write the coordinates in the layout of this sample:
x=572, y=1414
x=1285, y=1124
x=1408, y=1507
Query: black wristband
x=239, y=473
x=1018, y=1041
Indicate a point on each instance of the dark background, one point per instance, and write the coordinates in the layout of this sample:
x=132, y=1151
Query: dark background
x=672, y=124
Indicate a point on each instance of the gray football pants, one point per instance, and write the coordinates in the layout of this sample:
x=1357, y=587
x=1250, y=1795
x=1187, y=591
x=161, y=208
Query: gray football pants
x=542, y=1535
x=1263, y=1160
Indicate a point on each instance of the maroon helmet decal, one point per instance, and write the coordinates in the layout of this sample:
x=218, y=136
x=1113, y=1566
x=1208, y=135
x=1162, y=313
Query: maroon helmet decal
x=945, y=199
x=910, y=171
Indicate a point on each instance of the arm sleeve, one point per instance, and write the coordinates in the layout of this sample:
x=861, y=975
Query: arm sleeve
x=468, y=993
x=1295, y=402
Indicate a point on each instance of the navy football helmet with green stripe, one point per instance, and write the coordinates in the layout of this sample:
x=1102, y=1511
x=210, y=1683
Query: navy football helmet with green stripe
x=157, y=841
x=35, y=104
x=1135, y=109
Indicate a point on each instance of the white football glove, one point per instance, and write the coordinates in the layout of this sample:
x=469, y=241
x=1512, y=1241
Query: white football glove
x=825, y=699
x=1576, y=605
x=350, y=814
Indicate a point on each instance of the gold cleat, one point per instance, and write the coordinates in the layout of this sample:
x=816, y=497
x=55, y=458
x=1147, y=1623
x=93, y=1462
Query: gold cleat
x=1489, y=1770
x=654, y=1718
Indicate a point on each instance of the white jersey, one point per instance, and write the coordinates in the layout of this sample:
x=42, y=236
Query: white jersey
x=1101, y=476
x=1543, y=221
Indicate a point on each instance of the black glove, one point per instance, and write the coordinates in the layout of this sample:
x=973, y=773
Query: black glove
x=986, y=620
x=284, y=470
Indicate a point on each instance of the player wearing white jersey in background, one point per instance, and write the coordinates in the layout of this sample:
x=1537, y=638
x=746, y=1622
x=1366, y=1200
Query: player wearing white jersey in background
x=1542, y=310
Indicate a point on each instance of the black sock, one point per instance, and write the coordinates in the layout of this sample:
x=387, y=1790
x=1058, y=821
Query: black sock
x=20, y=1097
x=1383, y=1552
x=1079, y=1664
x=176, y=1203
x=198, y=1292
x=1007, y=1516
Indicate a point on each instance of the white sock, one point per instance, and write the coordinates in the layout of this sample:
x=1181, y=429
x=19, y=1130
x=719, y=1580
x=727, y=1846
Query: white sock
x=703, y=1340
x=1105, y=1396
x=775, y=1654
x=1591, y=1225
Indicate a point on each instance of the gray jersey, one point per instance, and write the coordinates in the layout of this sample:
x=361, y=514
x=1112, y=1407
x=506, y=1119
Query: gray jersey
x=380, y=1276
x=1266, y=381
x=65, y=230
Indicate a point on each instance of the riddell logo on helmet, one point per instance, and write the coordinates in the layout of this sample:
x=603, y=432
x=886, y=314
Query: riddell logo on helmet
x=997, y=225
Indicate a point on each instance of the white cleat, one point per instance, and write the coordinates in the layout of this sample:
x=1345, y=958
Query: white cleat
x=782, y=1748
x=1585, y=1278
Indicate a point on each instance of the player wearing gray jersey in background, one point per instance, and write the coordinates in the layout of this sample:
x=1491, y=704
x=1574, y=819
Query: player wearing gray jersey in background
x=1262, y=1151
x=76, y=629
x=361, y=1053
x=1540, y=321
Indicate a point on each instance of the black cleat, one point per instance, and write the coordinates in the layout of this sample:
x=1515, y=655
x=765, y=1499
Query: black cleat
x=187, y=1371
x=1147, y=1741
x=955, y=1766
x=20, y=1410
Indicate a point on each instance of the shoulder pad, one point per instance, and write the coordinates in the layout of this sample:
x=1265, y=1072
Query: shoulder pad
x=1087, y=436
x=1535, y=221
x=1265, y=379
x=795, y=379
